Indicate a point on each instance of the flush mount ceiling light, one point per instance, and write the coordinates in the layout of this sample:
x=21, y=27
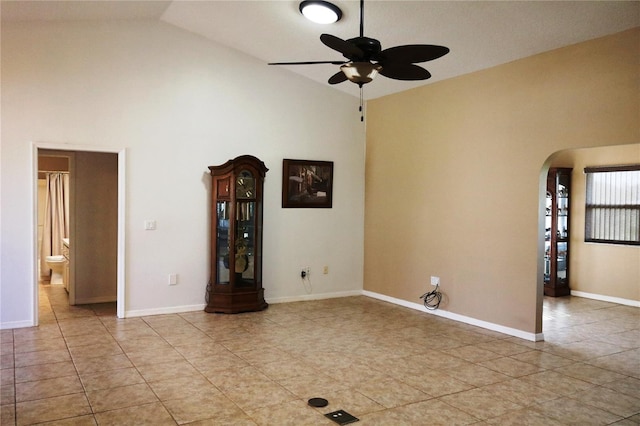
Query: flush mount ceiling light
x=320, y=12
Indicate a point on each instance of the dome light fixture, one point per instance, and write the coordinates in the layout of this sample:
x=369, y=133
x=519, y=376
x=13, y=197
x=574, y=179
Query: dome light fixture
x=320, y=12
x=360, y=72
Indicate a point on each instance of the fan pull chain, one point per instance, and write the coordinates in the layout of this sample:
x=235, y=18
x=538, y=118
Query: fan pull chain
x=361, y=105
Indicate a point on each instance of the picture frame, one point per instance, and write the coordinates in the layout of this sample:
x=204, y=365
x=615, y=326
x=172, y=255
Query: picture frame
x=307, y=184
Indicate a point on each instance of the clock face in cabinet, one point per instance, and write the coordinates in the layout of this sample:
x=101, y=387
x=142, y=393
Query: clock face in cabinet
x=245, y=185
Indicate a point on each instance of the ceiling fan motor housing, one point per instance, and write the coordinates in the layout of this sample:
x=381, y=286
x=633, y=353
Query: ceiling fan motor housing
x=369, y=46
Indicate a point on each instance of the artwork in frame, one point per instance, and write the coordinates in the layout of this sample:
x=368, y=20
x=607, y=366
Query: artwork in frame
x=307, y=184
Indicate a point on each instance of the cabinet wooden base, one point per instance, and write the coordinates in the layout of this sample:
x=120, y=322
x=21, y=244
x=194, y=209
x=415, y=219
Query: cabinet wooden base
x=235, y=303
x=557, y=291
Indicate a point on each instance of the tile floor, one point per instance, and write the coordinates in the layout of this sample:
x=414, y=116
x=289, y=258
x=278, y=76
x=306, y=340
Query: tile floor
x=386, y=365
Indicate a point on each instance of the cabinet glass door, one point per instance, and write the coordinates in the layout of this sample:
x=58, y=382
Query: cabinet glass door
x=245, y=243
x=222, y=242
x=245, y=231
x=563, y=208
x=561, y=268
x=562, y=229
x=547, y=237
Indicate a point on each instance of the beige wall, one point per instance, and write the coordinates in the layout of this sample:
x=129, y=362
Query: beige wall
x=455, y=173
x=600, y=269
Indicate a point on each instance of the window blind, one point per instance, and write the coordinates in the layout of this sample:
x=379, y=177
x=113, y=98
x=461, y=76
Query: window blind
x=613, y=204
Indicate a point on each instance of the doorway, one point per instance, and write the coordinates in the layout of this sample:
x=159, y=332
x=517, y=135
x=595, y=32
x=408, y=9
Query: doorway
x=597, y=271
x=96, y=231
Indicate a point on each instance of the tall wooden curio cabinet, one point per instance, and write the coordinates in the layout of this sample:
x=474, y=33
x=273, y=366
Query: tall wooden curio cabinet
x=557, y=233
x=236, y=236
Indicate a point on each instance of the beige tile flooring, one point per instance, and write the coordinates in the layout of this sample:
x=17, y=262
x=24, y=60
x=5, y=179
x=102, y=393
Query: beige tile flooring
x=385, y=364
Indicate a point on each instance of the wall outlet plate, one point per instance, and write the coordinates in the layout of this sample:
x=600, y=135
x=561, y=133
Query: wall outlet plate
x=435, y=280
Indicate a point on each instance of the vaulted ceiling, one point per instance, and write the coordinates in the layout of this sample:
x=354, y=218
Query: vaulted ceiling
x=480, y=34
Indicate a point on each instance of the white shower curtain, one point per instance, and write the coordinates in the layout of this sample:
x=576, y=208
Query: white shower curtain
x=56, y=218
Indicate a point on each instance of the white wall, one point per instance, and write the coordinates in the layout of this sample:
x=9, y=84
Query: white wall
x=177, y=103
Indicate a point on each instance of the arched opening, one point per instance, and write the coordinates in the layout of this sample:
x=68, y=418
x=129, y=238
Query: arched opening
x=596, y=271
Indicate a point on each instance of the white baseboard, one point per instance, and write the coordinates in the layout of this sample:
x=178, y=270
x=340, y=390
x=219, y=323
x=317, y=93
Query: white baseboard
x=164, y=311
x=98, y=299
x=306, y=297
x=16, y=324
x=533, y=337
x=191, y=308
x=618, y=300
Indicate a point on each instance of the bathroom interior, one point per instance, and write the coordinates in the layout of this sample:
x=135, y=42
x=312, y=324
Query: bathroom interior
x=53, y=216
x=77, y=224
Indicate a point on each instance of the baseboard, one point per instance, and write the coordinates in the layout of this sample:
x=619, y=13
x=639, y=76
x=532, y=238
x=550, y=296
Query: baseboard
x=191, y=308
x=306, y=297
x=164, y=311
x=16, y=324
x=99, y=299
x=533, y=337
x=603, y=298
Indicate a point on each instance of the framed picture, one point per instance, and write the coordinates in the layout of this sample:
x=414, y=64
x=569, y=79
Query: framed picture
x=307, y=184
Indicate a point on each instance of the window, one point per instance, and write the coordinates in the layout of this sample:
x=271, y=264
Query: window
x=613, y=205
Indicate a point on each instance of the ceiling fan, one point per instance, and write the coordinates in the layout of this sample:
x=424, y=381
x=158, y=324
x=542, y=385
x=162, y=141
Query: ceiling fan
x=365, y=58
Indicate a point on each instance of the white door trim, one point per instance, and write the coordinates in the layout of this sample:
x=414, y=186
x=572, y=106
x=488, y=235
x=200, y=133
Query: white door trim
x=121, y=216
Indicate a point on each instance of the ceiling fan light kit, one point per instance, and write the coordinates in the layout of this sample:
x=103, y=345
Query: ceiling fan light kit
x=360, y=72
x=320, y=12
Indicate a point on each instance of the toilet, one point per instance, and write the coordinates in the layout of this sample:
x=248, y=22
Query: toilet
x=57, y=265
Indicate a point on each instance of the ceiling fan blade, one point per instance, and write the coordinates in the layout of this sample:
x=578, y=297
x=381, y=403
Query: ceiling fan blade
x=412, y=53
x=308, y=63
x=349, y=50
x=404, y=72
x=338, y=77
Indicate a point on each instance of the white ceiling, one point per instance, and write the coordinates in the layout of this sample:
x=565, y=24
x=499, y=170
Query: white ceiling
x=480, y=34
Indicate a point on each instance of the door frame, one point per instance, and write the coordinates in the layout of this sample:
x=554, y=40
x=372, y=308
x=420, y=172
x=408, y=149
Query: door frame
x=121, y=152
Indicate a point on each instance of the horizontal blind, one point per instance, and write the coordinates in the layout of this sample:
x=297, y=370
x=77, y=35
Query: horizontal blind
x=613, y=205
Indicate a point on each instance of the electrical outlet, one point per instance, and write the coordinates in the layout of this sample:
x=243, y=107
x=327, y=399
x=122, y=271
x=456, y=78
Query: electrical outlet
x=435, y=280
x=325, y=270
x=305, y=272
x=150, y=225
x=173, y=279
